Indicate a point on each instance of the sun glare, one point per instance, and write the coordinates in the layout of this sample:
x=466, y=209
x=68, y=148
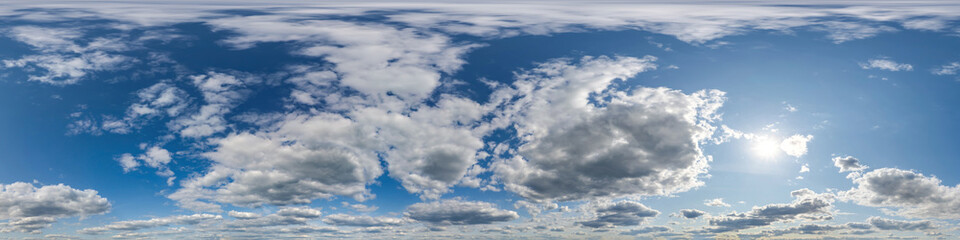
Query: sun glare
x=766, y=147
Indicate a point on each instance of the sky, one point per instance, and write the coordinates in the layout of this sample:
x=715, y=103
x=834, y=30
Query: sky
x=479, y=120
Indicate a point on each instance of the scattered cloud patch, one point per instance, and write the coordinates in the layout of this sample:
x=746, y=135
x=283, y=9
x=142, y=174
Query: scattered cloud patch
x=886, y=64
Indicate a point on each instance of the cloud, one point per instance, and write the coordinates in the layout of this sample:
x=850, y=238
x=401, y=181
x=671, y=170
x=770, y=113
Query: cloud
x=371, y=58
x=221, y=92
x=243, y=215
x=30, y=209
x=886, y=64
x=645, y=230
x=897, y=225
x=457, y=212
x=716, y=202
x=796, y=145
x=284, y=216
x=136, y=225
x=948, y=69
x=691, y=213
x=301, y=159
x=848, y=164
x=914, y=194
x=428, y=151
x=362, y=221
x=624, y=213
x=807, y=205
x=645, y=141
x=60, y=60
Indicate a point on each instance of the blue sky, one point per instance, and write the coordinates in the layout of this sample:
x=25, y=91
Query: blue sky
x=478, y=120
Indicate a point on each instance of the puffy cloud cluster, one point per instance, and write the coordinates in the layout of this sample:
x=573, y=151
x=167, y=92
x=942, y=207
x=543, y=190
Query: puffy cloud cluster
x=304, y=158
x=914, y=194
x=807, y=205
x=458, y=212
x=581, y=138
x=624, y=213
x=30, y=209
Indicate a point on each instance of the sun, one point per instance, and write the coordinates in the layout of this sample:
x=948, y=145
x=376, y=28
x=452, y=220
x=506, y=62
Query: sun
x=766, y=147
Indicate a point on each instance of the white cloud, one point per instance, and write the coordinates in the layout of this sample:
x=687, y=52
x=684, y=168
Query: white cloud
x=61, y=61
x=30, y=209
x=716, y=202
x=948, y=69
x=796, y=145
x=886, y=64
x=645, y=141
x=458, y=212
x=911, y=193
x=804, y=168
x=221, y=92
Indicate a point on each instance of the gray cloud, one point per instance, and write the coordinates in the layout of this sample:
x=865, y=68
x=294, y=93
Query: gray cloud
x=362, y=221
x=284, y=216
x=889, y=224
x=645, y=230
x=136, y=225
x=624, y=213
x=848, y=164
x=457, y=212
x=645, y=141
x=806, y=205
x=691, y=213
x=29, y=209
x=913, y=193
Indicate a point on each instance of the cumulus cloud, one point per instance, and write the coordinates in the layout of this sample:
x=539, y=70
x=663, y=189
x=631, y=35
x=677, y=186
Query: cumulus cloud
x=458, y=212
x=716, y=202
x=848, y=164
x=624, y=213
x=30, y=209
x=304, y=158
x=362, y=221
x=645, y=141
x=691, y=213
x=912, y=193
x=807, y=205
x=136, y=225
x=886, y=64
x=796, y=145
